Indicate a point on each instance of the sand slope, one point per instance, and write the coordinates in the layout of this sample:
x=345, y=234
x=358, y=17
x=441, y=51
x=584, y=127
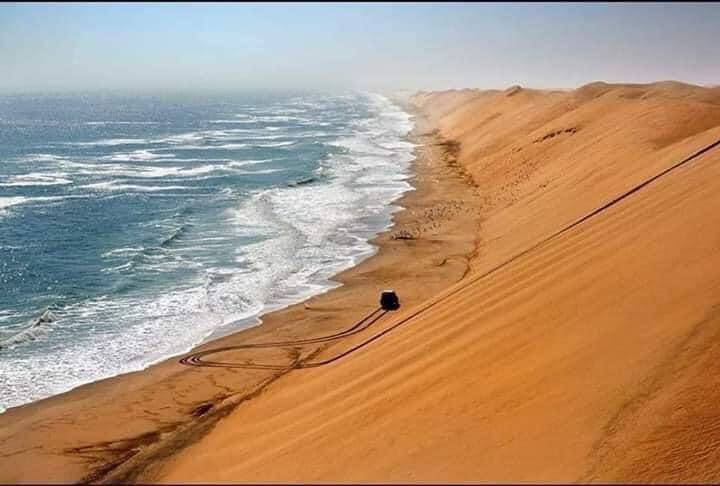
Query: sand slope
x=112, y=429
x=593, y=357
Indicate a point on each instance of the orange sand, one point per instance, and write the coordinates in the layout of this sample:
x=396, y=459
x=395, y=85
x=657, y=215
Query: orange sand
x=113, y=428
x=593, y=357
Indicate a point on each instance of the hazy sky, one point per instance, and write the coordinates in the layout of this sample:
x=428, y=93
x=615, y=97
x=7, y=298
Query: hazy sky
x=51, y=47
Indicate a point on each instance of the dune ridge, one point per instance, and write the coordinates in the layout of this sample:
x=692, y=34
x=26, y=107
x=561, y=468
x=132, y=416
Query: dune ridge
x=591, y=357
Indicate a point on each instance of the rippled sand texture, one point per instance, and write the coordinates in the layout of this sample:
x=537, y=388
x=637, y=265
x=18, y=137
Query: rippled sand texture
x=593, y=357
x=116, y=429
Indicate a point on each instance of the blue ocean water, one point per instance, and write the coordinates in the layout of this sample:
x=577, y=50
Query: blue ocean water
x=146, y=225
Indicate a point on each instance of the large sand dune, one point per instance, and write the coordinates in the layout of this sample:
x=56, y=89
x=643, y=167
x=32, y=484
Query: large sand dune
x=594, y=356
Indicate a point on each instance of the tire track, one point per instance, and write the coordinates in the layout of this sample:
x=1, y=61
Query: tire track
x=196, y=359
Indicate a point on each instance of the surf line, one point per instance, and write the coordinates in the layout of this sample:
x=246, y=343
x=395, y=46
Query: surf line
x=367, y=321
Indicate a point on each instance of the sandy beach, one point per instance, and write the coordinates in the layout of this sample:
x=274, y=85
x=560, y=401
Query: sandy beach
x=559, y=271
x=108, y=429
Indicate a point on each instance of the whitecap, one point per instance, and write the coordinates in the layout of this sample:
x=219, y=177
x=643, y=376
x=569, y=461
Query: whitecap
x=308, y=233
x=109, y=142
x=6, y=202
x=42, y=158
x=193, y=136
x=225, y=146
x=275, y=144
x=232, y=121
x=243, y=163
x=37, y=179
x=135, y=155
x=125, y=251
x=115, y=186
x=121, y=123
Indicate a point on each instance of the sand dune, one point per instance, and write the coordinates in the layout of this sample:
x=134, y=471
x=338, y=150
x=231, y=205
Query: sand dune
x=592, y=357
x=524, y=350
x=115, y=429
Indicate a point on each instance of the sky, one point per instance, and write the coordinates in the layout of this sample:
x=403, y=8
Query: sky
x=46, y=47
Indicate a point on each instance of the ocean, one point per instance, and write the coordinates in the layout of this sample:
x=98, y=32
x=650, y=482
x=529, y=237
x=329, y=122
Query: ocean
x=133, y=228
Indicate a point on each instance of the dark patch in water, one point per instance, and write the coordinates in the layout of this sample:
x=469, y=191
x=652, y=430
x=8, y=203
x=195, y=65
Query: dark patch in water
x=175, y=236
x=302, y=182
x=26, y=334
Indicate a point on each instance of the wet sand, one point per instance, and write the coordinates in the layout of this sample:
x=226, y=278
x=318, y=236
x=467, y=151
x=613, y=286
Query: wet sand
x=115, y=428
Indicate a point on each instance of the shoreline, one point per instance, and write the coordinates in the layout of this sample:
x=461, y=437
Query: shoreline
x=228, y=329
x=113, y=429
x=223, y=300
x=577, y=350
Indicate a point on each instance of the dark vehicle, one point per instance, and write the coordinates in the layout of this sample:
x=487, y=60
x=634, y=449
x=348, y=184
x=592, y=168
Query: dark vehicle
x=389, y=300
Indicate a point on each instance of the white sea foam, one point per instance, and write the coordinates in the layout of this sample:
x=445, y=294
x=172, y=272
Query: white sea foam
x=262, y=171
x=268, y=137
x=36, y=179
x=42, y=158
x=243, y=163
x=304, y=235
x=309, y=229
x=173, y=174
x=130, y=250
x=195, y=136
x=6, y=202
x=134, y=155
x=143, y=170
x=156, y=172
x=282, y=118
x=234, y=121
x=121, y=123
x=116, y=186
x=201, y=139
x=162, y=322
x=30, y=332
x=225, y=146
x=275, y=144
x=109, y=142
x=76, y=166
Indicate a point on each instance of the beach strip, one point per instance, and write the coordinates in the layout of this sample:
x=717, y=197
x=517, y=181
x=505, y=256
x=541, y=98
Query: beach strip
x=114, y=427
